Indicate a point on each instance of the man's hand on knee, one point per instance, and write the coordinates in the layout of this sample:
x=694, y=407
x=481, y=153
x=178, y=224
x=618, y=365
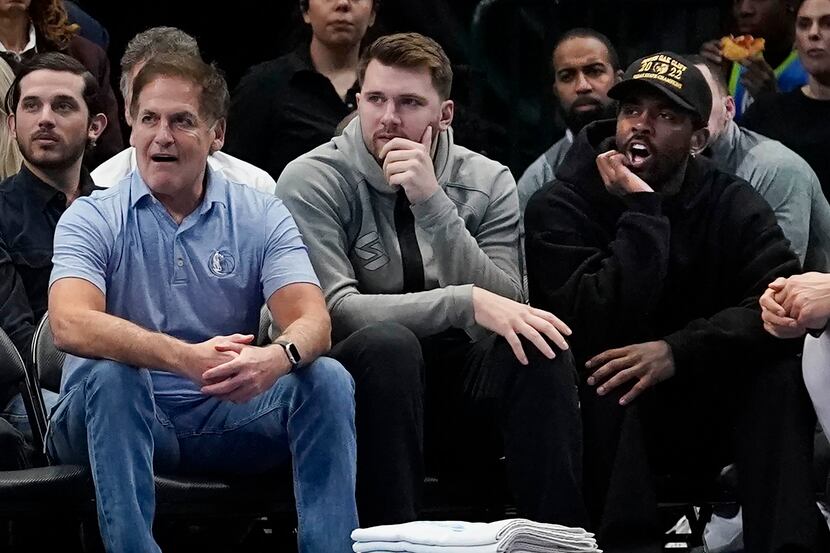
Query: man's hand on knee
x=252, y=371
x=510, y=319
x=648, y=363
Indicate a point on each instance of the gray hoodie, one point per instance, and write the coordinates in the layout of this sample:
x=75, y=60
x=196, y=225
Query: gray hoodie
x=468, y=234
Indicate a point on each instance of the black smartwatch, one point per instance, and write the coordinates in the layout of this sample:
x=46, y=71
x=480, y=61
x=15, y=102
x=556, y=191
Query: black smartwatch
x=291, y=352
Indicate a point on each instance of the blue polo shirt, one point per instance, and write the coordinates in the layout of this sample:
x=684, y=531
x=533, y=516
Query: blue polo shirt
x=205, y=277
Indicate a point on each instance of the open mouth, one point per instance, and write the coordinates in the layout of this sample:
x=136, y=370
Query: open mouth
x=638, y=154
x=163, y=158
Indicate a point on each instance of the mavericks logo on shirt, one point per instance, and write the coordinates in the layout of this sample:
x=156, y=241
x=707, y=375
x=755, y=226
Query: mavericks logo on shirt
x=221, y=263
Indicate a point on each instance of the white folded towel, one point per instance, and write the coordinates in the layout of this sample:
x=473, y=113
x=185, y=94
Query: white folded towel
x=427, y=532
x=504, y=536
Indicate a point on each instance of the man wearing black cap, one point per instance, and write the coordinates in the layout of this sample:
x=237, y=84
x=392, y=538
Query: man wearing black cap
x=656, y=260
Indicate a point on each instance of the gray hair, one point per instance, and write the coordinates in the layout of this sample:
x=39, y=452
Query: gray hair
x=153, y=42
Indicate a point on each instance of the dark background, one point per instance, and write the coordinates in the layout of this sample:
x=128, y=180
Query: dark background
x=500, y=48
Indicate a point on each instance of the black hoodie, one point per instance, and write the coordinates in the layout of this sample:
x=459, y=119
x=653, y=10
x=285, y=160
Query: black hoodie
x=687, y=269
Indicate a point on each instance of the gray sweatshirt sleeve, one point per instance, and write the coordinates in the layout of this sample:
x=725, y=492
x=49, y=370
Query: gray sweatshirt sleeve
x=490, y=258
x=315, y=196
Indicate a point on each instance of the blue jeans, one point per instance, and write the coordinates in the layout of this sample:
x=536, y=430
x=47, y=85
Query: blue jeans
x=112, y=421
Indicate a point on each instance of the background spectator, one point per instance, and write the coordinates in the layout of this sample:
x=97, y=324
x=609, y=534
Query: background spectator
x=10, y=158
x=54, y=113
x=585, y=67
x=89, y=27
x=783, y=178
x=285, y=107
x=801, y=118
x=777, y=68
x=31, y=26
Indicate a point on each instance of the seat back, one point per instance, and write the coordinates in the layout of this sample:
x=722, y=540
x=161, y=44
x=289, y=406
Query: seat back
x=12, y=370
x=46, y=358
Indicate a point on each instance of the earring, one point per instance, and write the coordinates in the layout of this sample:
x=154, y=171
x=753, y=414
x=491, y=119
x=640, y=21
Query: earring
x=92, y=143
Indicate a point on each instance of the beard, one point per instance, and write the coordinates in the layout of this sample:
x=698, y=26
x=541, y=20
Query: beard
x=57, y=159
x=576, y=119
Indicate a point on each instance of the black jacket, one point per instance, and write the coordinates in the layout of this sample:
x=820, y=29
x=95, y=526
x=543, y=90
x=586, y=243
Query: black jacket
x=687, y=269
x=282, y=109
x=29, y=213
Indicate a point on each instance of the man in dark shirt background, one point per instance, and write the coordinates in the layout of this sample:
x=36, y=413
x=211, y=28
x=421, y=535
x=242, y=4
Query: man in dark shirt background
x=53, y=115
x=285, y=107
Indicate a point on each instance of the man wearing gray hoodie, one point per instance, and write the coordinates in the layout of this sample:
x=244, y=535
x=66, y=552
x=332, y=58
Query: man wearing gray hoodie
x=416, y=243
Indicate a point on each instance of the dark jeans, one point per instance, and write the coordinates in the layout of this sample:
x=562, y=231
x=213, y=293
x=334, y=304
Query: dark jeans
x=759, y=418
x=536, y=407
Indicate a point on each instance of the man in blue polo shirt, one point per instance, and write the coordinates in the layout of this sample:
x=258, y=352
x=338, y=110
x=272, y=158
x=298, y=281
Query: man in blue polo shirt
x=156, y=288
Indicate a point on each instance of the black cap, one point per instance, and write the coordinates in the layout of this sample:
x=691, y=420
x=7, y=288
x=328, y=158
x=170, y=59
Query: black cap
x=674, y=76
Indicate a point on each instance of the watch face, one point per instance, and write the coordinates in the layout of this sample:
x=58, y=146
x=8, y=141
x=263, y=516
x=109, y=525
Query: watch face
x=293, y=353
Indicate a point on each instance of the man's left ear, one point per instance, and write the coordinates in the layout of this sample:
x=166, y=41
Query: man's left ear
x=618, y=76
x=218, y=136
x=96, y=127
x=12, y=125
x=447, y=112
x=700, y=138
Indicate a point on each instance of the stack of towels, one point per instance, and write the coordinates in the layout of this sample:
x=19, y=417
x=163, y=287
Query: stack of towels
x=515, y=535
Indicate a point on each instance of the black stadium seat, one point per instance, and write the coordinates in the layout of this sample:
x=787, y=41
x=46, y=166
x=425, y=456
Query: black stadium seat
x=33, y=492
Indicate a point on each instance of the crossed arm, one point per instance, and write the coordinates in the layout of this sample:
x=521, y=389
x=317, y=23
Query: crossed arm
x=225, y=366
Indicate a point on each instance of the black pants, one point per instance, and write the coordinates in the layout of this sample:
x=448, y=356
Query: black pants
x=536, y=407
x=692, y=425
